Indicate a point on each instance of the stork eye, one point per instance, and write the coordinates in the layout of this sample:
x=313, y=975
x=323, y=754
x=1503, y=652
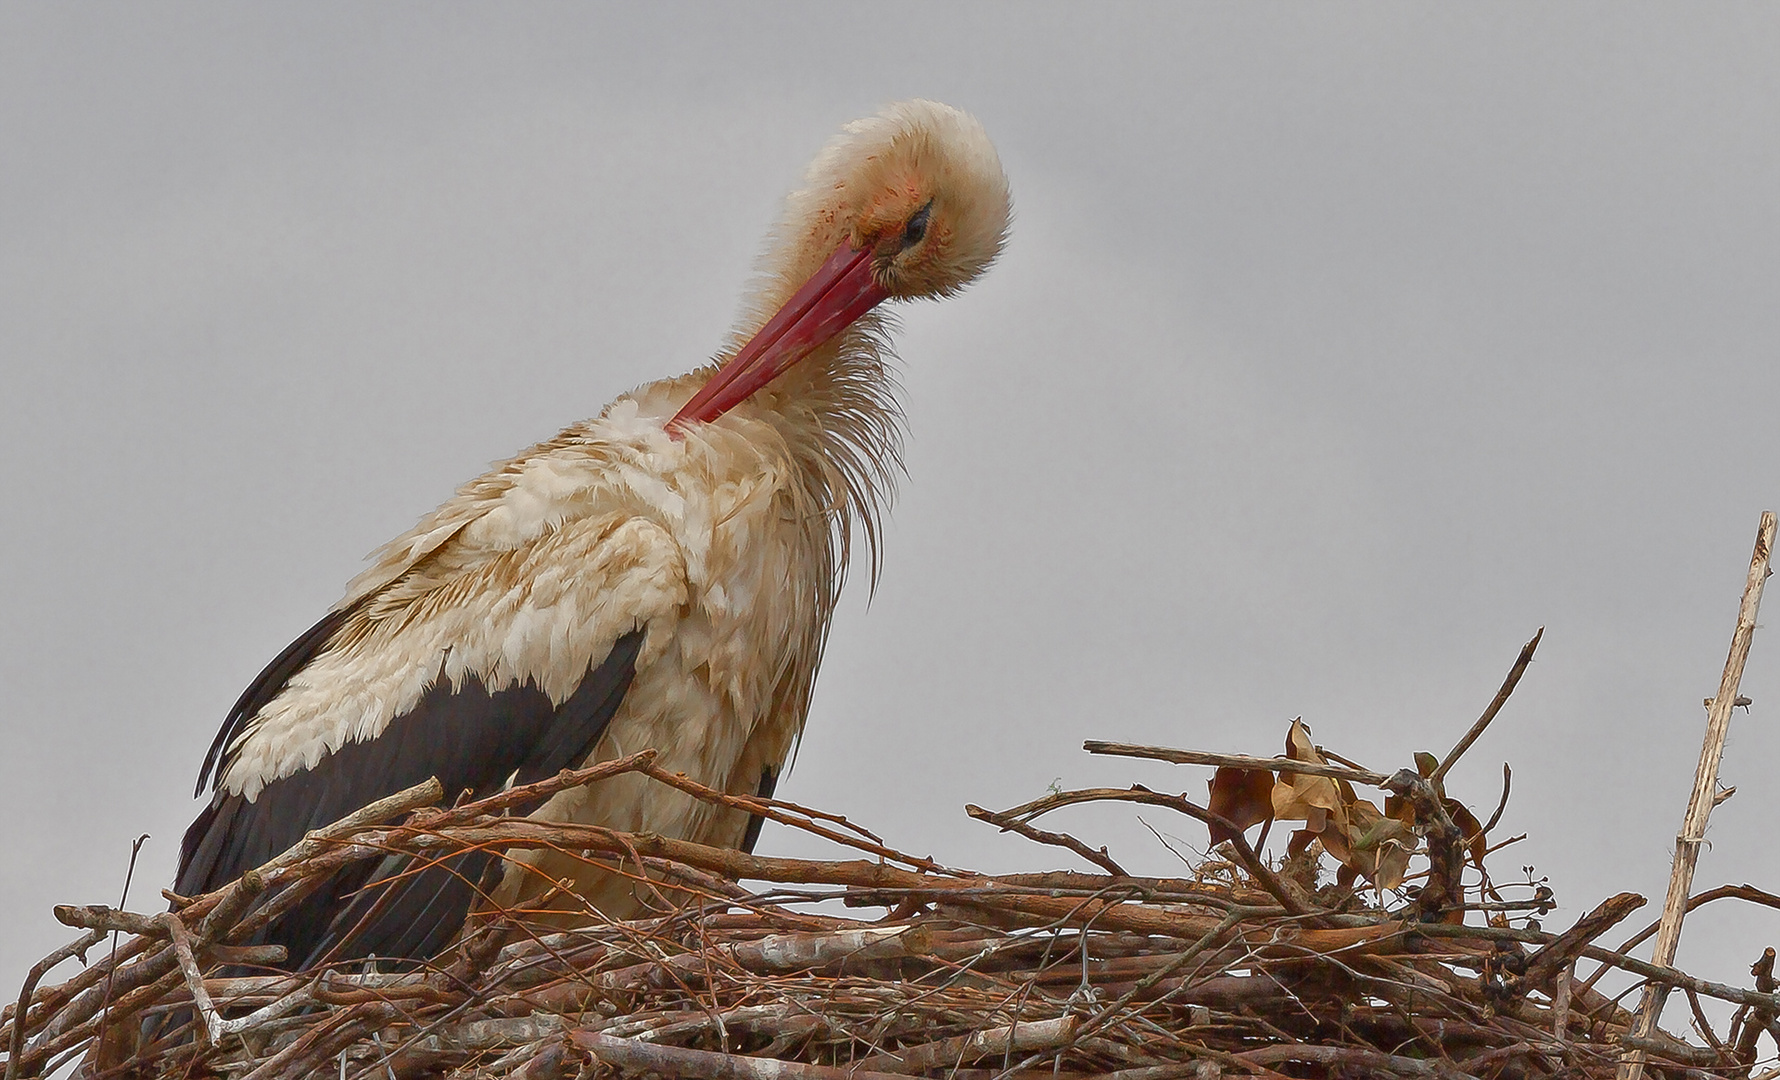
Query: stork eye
x=917, y=226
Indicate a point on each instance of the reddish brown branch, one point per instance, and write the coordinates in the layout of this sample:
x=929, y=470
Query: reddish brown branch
x=1099, y=858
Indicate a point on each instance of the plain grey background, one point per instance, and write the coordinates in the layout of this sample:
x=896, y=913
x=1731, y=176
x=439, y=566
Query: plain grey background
x=1337, y=349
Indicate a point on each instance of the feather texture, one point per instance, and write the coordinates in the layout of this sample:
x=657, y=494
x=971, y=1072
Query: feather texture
x=473, y=739
x=630, y=583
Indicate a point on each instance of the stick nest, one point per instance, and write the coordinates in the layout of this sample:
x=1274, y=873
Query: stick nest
x=1377, y=945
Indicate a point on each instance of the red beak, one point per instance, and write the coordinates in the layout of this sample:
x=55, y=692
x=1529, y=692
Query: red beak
x=829, y=302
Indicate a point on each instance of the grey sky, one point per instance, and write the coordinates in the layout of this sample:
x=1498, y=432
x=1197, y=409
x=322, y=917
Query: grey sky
x=1336, y=350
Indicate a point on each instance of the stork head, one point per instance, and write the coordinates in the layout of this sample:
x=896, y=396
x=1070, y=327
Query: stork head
x=909, y=203
x=920, y=187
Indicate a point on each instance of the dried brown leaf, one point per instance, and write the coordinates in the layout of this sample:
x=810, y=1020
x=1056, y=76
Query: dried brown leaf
x=1471, y=829
x=1315, y=800
x=1244, y=796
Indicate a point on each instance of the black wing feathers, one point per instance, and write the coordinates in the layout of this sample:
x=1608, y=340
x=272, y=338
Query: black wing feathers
x=471, y=738
x=769, y=780
x=265, y=687
x=581, y=719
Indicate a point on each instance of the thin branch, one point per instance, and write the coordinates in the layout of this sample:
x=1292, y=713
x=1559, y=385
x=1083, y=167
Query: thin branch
x=123, y=898
x=1245, y=854
x=74, y=948
x=949, y=1053
x=1502, y=803
x=1656, y=973
x=1495, y=706
x=194, y=978
x=1756, y=1020
x=1351, y=1058
x=1239, y=761
x=638, y=1056
x=1063, y=840
x=534, y=794
x=1723, y=892
x=1549, y=963
x=769, y=809
x=1701, y=1024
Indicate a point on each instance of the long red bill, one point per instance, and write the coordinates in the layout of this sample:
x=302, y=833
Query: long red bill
x=829, y=302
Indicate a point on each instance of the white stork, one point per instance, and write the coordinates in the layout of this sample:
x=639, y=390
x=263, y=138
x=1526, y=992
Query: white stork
x=660, y=576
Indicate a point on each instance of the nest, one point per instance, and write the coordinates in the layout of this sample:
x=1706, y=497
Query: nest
x=1378, y=945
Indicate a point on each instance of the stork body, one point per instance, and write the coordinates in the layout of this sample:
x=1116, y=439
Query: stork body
x=660, y=576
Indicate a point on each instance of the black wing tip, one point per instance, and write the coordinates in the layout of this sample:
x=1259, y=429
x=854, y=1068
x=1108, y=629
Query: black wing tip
x=470, y=737
x=769, y=782
x=266, y=686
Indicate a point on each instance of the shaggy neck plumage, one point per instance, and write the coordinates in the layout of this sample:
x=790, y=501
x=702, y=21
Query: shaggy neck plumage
x=840, y=415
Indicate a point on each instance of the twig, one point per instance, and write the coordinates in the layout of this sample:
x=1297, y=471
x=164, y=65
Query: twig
x=1212, y=938
x=1515, y=839
x=1553, y=959
x=53, y=998
x=100, y=917
x=1759, y=1019
x=283, y=1006
x=384, y=809
x=319, y=1043
x=1239, y=761
x=1495, y=706
x=1658, y=973
x=1245, y=854
x=1502, y=804
x=1560, y=1002
x=1705, y=784
x=303, y=856
x=92, y=1000
x=705, y=1064
x=948, y=1053
x=232, y=906
x=1723, y=892
x=541, y=790
x=737, y=865
x=194, y=978
x=775, y=955
x=1687, y=1055
x=1701, y=1024
x=1064, y=840
x=766, y=809
x=123, y=898
x=1352, y=1057
x=78, y=948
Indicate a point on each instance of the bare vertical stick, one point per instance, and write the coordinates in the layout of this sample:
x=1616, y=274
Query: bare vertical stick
x=1700, y=803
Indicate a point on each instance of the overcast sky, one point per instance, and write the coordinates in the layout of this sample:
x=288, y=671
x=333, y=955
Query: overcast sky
x=1336, y=350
